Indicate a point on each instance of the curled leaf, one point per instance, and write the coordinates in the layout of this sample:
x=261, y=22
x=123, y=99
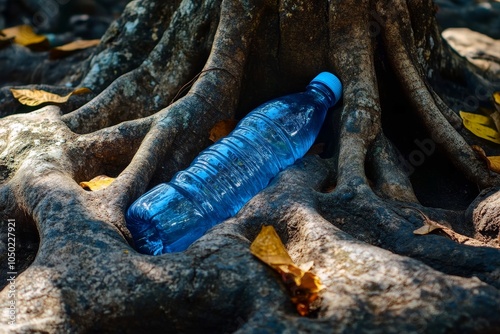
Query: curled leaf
x=97, y=183
x=429, y=225
x=24, y=35
x=496, y=99
x=302, y=284
x=35, y=97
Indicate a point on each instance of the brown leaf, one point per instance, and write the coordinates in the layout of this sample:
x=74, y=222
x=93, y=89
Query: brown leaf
x=97, y=183
x=70, y=48
x=494, y=163
x=429, y=224
x=35, y=97
x=24, y=35
x=222, y=129
x=480, y=125
x=426, y=229
x=481, y=155
x=496, y=100
x=302, y=284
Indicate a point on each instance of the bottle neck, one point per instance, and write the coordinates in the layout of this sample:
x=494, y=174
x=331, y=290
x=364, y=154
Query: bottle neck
x=326, y=95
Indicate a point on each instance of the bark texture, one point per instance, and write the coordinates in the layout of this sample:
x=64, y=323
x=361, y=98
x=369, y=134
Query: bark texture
x=395, y=156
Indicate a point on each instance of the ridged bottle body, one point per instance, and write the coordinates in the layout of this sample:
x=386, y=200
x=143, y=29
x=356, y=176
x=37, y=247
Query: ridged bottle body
x=229, y=173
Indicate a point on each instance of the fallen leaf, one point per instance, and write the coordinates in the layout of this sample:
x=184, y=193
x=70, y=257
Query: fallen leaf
x=35, y=97
x=426, y=229
x=429, y=224
x=496, y=99
x=481, y=155
x=97, y=183
x=70, y=48
x=24, y=35
x=222, y=129
x=481, y=126
x=302, y=284
x=494, y=163
x=446, y=229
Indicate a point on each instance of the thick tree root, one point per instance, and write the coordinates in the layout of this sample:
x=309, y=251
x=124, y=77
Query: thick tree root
x=352, y=214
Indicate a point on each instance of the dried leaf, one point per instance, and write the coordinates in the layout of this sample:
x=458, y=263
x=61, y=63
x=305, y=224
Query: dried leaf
x=481, y=126
x=476, y=118
x=35, y=97
x=303, y=285
x=481, y=155
x=24, y=35
x=496, y=99
x=222, y=129
x=426, y=229
x=268, y=247
x=494, y=163
x=70, y=48
x=429, y=224
x=97, y=183
x=495, y=116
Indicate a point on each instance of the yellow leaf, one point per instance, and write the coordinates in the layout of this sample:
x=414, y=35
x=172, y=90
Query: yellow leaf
x=302, y=284
x=480, y=125
x=222, y=129
x=496, y=114
x=494, y=164
x=426, y=229
x=268, y=247
x=35, y=97
x=24, y=35
x=496, y=98
x=97, y=183
x=67, y=49
x=476, y=118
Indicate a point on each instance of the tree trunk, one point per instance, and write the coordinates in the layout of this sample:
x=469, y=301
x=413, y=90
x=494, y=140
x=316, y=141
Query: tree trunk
x=395, y=156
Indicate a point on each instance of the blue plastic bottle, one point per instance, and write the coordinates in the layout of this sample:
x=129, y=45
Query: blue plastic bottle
x=226, y=175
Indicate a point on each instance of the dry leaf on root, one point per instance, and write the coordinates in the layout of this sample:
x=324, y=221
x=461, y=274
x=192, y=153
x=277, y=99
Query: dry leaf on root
x=486, y=125
x=24, y=35
x=35, y=97
x=427, y=228
x=496, y=100
x=446, y=229
x=97, y=183
x=302, y=284
x=222, y=129
x=493, y=162
x=481, y=125
x=70, y=48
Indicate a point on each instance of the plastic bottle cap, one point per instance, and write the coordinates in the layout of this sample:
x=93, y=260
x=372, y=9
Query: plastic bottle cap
x=331, y=81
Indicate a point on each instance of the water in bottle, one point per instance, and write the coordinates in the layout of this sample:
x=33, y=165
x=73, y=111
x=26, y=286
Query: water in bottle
x=226, y=175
